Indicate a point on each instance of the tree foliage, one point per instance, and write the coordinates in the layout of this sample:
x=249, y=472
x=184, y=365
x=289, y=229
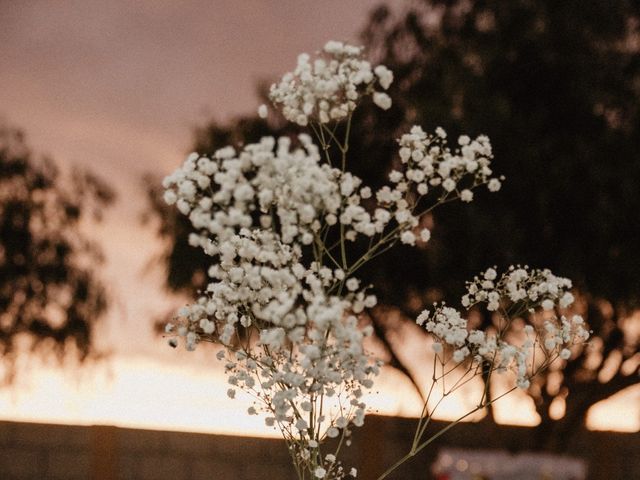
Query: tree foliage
x=49, y=291
x=556, y=86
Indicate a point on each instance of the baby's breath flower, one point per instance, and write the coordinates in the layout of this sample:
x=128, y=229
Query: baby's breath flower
x=352, y=284
x=494, y=185
x=382, y=100
x=408, y=237
x=287, y=308
x=519, y=285
x=329, y=88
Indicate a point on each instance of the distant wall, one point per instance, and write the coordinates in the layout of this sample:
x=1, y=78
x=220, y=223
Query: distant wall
x=36, y=451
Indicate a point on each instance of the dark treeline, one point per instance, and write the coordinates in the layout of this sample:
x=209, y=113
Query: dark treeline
x=50, y=293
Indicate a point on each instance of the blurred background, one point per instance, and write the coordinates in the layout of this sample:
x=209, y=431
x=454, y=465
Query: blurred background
x=100, y=100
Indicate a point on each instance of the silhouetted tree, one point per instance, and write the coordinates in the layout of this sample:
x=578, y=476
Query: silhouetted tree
x=556, y=86
x=49, y=292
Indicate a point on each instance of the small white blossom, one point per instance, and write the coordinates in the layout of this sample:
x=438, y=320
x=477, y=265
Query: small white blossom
x=382, y=100
x=385, y=76
x=170, y=197
x=537, y=289
x=494, y=185
x=408, y=237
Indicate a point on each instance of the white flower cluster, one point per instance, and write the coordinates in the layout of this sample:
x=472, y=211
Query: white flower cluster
x=248, y=189
x=330, y=467
x=334, y=468
x=309, y=346
x=519, y=285
x=329, y=87
x=533, y=287
x=255, y=210
x=270, y=180
x=431, y=163
x=251, y=188
x=429, y=166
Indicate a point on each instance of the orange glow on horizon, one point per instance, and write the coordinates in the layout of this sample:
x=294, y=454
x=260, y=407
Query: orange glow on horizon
x=149, y=393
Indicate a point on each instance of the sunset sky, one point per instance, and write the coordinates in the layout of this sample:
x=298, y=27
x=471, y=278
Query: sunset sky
x=117, y=87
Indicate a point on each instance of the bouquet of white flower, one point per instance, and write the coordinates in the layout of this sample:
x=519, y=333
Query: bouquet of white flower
x=284, y=300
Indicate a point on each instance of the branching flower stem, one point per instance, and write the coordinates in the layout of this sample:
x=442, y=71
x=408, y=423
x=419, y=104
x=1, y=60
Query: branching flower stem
x=287, y=307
